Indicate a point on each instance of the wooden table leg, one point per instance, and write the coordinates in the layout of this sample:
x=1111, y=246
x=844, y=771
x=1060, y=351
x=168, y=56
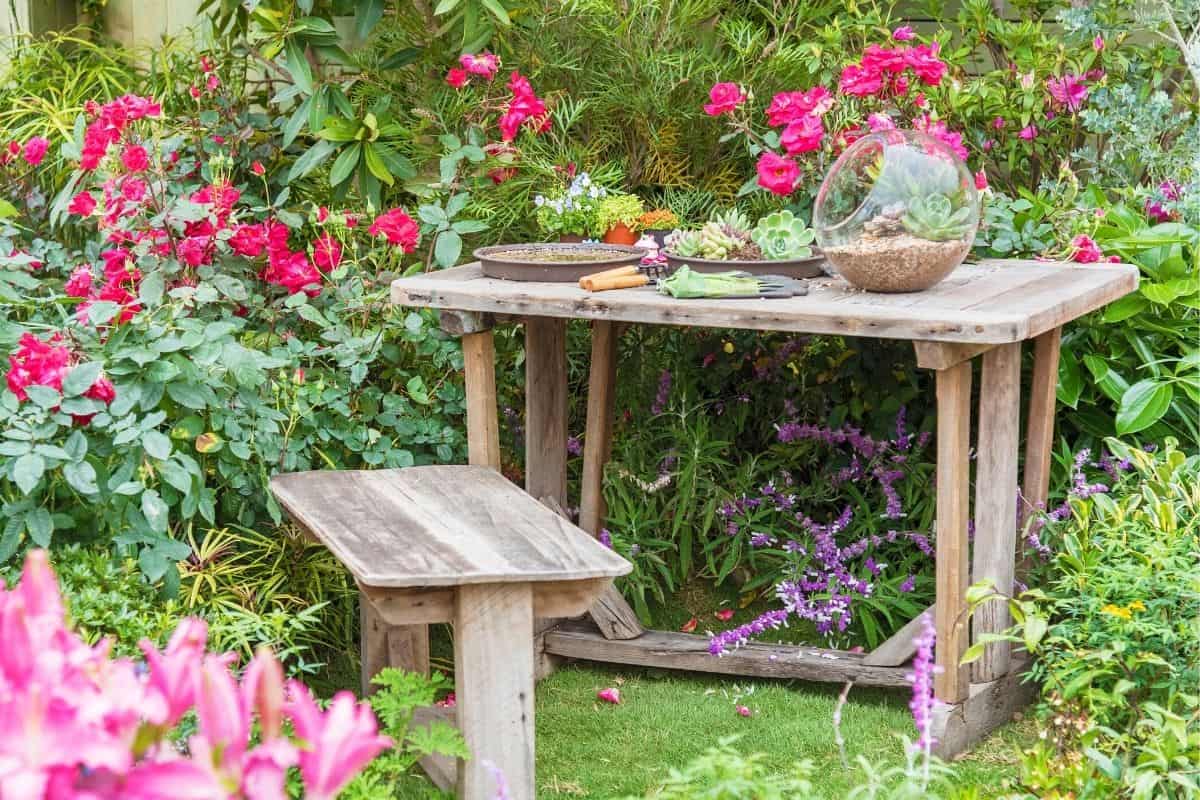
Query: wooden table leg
x=614, y=616
x=953, y=471
x=1039, y=428
x=546, y=408
x=483, y=428
x=493, y=683
x=994, y=556
x=1039, y=432
x=597, y=441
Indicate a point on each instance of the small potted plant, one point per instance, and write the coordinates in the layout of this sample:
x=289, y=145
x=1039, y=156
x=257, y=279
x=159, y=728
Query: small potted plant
x=657, y=223
x=570, y=213
x=617, y=218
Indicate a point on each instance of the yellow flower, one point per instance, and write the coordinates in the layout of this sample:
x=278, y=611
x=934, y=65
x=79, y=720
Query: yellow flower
x=1117, y=611
x=1137, y=605
x=729, y=347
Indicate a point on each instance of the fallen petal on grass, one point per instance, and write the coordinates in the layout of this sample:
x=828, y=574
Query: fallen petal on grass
x=609, y=695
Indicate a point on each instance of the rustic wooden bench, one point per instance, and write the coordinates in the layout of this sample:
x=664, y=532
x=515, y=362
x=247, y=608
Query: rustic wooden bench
x=463, y=545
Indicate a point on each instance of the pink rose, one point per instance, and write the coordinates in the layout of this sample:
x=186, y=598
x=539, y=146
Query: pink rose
x=258, y=169
x=457, y=77
x=399, y=228
x=903, y=33
x=484, y=64
x=134, y=158
x=1098, y=43
x=803, y=135
x=859, y=81
x=880, y=122
x=35, y=150
x=327, y=252
x=1028, y=133
x=725, y=98
x=1086, y=250
x=788, y=107
x=981, y=181
x=80, y=282
x=777, y=174
x=924, y=62
x=83, y=204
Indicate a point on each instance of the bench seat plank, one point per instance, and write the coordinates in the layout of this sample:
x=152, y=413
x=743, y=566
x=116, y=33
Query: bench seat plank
x=440, y=526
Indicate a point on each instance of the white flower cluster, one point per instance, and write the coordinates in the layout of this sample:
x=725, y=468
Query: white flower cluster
x=580, y=187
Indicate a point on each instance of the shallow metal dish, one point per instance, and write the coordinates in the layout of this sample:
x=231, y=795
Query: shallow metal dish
x=534, y=262
x=807, y=267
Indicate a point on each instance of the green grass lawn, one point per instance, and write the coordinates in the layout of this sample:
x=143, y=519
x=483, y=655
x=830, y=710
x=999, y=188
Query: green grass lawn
x=586, y=748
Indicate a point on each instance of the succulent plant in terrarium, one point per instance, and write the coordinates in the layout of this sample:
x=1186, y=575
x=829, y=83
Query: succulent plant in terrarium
x=897, y=212
x=782, y=235
x=934, y=217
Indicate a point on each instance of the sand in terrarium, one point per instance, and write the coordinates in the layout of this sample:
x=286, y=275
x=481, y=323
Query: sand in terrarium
x=902, y=263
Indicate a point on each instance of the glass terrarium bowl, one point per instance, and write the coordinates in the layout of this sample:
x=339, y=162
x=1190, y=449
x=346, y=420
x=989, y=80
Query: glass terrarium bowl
x=897, y=212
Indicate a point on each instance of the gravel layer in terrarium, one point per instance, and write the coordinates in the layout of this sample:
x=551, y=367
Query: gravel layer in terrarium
x=897, y=212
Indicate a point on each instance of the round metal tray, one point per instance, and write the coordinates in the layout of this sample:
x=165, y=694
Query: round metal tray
x=807, y=267
x=505, y=260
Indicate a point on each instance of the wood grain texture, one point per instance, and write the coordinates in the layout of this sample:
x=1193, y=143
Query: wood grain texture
x=546, y=408
x=953, y=472
x=440, y=526
x=994, y=302
x=669, y=650
x=615, y=617
x=941, y=355
x=493, y=684
x=611, y=612
x=994, y=554
x=1039, y=428
x=372, y=644
x=899, y=647
x=597, y=440
x=990, y=705
x=483, y=423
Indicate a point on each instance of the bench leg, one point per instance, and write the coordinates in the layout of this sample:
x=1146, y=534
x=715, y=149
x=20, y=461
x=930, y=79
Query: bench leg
x=381, y=645
x=493, y=682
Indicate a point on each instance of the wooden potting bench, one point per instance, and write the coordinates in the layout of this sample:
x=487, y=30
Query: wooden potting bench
x=985, y=310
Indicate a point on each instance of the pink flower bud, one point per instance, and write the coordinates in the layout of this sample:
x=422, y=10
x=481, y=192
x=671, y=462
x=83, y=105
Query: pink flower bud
x=609, y=695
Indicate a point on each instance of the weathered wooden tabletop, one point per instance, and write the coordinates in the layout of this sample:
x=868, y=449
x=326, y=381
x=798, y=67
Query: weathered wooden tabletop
x=992, y=302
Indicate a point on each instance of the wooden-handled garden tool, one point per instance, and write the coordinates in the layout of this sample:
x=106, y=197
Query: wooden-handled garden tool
x=626, y=277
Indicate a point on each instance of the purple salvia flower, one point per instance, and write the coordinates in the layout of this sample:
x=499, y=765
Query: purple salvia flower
x=605, y=538
x=574, y=446
x=761, y=540
x=923, y=700
x=721, y=643
x=664, y=393
x=909, y=584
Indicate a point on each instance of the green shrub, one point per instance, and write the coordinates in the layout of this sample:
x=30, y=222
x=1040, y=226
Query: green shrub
x=1115, y=631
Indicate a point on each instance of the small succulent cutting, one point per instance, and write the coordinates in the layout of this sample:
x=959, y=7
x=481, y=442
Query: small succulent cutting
x=782, y=235
x=730, y=236
x=935, y=218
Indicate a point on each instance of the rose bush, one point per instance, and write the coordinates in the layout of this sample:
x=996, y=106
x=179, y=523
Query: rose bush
x=207, y=334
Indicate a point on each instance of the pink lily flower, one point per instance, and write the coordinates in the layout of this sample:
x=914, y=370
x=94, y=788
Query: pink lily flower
x=336, y=743
x=173, y=672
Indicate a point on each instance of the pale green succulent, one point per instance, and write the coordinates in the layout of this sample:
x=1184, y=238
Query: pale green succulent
x=935, y=218
x=782, y=235
x=716, y=241
x=733, y=220
x=686, y=244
